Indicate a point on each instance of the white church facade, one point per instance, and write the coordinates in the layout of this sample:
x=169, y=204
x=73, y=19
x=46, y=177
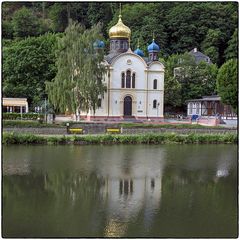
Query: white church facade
x=135, y=84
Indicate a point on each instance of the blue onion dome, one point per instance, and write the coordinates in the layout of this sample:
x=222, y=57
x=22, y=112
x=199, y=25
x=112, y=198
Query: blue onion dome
x=98, y=44
x=139, y=52
x=153, y=47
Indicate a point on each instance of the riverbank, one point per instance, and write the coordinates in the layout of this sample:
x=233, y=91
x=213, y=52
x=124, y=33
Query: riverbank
x=150, y=138
x=30, y=127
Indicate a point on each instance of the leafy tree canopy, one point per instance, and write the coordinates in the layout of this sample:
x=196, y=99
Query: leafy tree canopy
x=227, y=80
x=27, y=64
x=184, y=79
x=78, y=83
x=212, y=43
x=178, y=26
x=232, y=49
x=25, y=23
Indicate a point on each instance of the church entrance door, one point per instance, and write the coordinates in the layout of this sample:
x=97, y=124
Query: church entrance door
x=127, y=106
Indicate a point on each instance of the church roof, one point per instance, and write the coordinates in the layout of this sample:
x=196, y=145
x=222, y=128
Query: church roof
x=120, y=30
x=153, y=47
x=139, y=52
x=206, y=98
x=199, y=56
x=110, y=57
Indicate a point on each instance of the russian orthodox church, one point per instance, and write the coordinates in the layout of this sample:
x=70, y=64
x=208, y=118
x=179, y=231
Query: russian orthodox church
x=135, y=84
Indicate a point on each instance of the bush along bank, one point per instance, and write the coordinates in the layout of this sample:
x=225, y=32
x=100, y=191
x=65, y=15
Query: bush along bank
x=170, y=125
x=17, y=116
x=164, y=138
x=28, y=124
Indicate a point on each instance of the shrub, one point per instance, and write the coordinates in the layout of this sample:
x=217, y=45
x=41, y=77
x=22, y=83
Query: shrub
x=53, y=140
x=27, y=124
x=16, y=116
x=14, y=138
x=230, y=138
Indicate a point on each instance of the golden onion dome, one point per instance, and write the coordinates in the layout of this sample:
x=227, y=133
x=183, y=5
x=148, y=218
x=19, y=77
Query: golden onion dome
x=119, y=30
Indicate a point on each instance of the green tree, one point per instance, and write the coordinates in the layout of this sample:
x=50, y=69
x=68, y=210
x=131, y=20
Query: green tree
x=178, y=26
x=212, y=44
x=152, y=21
x=188, y=24
x=172, y=92
x=227, y=83
x=7, y=29
x=184, y=79
x=172, y=87
x=25, y=23
x=232, y=49
x=58, y=16
x=78, y=83
x=100, y=12
x=202, y=81
x=27, y=64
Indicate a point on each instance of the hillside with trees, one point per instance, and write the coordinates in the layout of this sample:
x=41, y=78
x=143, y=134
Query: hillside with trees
x=31, y=29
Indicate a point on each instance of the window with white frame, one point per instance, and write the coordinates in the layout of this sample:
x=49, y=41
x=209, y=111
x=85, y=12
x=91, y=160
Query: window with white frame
x=190, y=108
x=197, y=108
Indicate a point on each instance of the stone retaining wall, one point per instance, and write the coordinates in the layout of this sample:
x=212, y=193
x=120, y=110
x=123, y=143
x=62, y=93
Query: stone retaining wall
x=101, y=129
x=180, y=131
x=53, y=131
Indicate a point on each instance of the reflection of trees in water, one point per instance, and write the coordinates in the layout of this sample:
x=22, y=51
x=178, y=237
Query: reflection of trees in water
x=111, y=191
x=63, y=198
x=72, y=185
x=197, y=195
x=18, y=184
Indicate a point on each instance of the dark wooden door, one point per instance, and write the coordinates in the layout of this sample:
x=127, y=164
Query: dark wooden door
x=127, y=106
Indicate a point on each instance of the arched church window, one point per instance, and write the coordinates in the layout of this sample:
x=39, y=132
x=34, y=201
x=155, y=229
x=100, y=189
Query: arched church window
x=128, y=79
x=155, y=84
x=99, y=103
x=133, y=80
x=123, y=80
x=155, y=103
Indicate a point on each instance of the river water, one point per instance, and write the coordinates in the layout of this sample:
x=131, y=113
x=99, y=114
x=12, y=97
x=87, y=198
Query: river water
x=120, y=191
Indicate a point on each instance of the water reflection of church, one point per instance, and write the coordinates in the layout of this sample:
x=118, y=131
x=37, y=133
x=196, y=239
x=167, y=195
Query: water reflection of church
x=127, y=190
